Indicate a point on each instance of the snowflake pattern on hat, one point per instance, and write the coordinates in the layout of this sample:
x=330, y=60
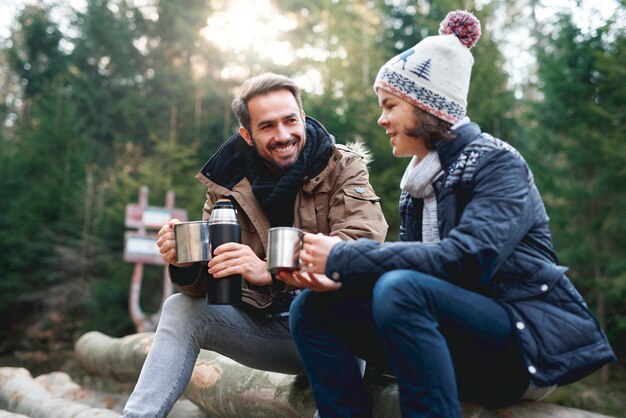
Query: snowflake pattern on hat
x=421, y=97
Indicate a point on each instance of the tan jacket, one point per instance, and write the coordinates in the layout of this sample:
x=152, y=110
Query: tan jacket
x=338, y=202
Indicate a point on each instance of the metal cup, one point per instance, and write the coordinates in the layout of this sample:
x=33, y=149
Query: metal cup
x=284, y=246
x=192, y=241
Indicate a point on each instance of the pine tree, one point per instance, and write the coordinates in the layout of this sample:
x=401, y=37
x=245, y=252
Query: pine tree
x=579, y=160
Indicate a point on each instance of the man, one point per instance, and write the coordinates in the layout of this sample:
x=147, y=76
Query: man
x=472, y=303
x=282, y=169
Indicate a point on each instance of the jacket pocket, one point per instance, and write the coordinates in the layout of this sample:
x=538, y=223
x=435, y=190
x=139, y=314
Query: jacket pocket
x=527, y=285
x=361, y=193
x=560, y=318
x=361, y=203
x=562, y=337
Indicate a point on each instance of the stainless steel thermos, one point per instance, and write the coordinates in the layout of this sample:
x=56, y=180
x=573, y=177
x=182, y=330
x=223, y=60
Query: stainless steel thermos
x=223, y=228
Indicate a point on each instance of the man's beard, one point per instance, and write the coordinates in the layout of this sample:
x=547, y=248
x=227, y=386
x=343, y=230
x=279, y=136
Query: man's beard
x=274, y=165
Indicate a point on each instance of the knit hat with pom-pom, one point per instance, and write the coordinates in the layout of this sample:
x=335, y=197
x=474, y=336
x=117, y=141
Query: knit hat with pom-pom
x=435, y=74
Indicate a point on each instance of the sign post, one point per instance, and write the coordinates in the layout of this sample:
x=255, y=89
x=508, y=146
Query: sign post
x=140, y=248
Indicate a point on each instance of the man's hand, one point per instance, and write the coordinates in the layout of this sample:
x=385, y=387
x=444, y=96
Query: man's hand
x=233, y=258
x=315, y=252
x=167, y=245
x=315, y=282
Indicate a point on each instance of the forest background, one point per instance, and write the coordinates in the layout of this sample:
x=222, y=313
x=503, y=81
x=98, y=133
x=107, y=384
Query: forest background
x=98, y=100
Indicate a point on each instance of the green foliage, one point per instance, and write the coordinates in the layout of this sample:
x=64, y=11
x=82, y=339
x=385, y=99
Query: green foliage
x=43, y=167
x=491, y=103
x=581, y=161
x=110, y=296
x=109, y=78
x=35, y=55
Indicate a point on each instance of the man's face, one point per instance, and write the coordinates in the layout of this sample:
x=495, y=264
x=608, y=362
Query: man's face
x=276, y=128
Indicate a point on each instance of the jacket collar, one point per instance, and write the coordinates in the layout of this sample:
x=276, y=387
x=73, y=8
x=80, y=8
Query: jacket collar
x=226, y=166
x=450, y=150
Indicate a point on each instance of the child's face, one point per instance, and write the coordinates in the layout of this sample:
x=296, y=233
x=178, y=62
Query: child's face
x=398, y=116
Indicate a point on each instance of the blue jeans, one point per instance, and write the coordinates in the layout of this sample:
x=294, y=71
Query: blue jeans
x=442, y=342
x=188, y=324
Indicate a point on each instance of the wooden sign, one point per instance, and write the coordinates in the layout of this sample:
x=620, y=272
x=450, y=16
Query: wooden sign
x=140, y=245
x=141, y=249
x=151, y=217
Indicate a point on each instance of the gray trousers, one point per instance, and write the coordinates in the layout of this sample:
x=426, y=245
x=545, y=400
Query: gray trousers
x=188, y=324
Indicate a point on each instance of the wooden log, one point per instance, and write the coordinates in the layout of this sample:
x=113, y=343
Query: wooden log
x=61, y=385
x=219, y=386
x=7, y=414
x=223, y=388
x=120, y=358
x=20, y=393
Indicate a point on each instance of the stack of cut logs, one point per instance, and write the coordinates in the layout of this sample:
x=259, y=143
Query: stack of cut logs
x=219, y=387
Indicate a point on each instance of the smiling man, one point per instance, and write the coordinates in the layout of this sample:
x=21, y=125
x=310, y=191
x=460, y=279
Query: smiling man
x=277, y=133
x=281, y=169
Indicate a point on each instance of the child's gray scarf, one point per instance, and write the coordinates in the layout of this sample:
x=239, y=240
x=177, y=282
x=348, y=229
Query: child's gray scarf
x=417, y=181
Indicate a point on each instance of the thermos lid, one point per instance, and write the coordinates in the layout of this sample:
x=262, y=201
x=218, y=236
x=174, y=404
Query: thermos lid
x=224, y=203
x=223, y=213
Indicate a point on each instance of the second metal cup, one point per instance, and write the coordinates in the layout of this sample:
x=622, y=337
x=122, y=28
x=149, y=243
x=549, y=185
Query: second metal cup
x=284, y=246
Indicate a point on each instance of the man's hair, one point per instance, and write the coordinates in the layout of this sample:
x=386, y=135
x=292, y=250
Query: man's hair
x=430, y=128
x=258, y=86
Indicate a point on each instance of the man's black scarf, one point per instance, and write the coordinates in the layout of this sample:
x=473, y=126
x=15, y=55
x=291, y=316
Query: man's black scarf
x=277, y=192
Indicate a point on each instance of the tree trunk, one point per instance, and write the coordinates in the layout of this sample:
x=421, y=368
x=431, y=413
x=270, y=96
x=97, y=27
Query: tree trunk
x=20, y=393
x=223, y=388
